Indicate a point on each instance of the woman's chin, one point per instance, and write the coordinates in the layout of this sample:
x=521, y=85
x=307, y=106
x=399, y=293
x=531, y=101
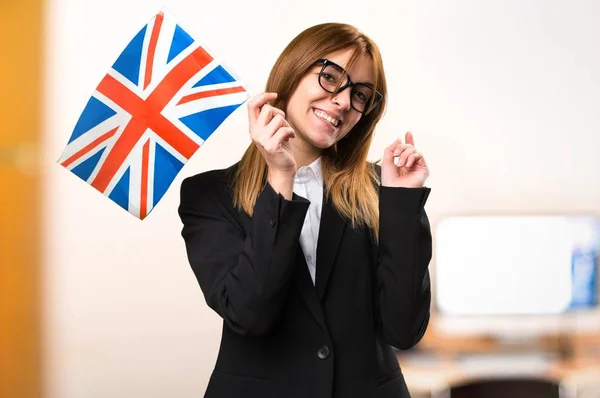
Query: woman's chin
x=322, y=141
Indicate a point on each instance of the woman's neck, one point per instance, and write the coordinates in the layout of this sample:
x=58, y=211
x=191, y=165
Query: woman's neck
x=305, y=154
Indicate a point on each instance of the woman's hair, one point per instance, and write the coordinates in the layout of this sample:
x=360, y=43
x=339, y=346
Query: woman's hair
x=350, y=181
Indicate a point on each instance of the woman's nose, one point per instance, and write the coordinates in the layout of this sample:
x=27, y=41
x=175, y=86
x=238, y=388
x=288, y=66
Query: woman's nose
x=342, y=99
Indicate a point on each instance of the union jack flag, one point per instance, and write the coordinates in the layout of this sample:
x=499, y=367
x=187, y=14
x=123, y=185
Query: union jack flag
x=161, y=99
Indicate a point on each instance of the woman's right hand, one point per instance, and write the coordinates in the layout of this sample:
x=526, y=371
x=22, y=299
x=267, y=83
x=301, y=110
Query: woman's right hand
x=271, y=133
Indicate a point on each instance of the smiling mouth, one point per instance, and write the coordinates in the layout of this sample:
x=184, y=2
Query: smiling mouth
x=322, y=115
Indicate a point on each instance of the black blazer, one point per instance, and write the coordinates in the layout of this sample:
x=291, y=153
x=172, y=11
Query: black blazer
x=283, y=336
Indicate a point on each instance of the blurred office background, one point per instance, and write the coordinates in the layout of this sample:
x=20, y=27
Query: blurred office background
x=503, y=98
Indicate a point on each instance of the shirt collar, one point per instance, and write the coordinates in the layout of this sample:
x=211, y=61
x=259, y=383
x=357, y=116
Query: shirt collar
x=316, y=168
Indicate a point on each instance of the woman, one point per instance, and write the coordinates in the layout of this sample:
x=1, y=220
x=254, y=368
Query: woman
x=316, y=260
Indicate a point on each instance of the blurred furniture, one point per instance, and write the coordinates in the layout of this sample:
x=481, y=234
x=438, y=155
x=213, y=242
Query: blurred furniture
x=441, y=362
x=516, y=310
x=515, y=276
x=585, y=384
x=503, y=388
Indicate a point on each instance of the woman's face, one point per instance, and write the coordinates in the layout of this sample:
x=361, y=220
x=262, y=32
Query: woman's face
x=320, y=118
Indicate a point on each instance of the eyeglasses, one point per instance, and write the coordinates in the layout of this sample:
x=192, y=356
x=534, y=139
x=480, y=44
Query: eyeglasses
x=363, y=97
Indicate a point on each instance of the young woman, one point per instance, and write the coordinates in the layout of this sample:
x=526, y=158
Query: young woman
x=316, y=259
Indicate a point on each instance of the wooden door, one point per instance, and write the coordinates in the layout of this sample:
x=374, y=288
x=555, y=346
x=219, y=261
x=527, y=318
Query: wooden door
x=20, y=103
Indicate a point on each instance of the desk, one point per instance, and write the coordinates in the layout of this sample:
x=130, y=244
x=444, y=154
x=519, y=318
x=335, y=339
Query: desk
x=427, y=373
x=440, y=360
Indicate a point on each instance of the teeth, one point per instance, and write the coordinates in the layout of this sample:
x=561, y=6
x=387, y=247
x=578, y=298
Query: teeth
x=324, y=116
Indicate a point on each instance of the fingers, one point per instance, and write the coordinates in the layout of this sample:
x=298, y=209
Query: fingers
x=268, y=113
x=265, y=119
x=264, y=134
x=275, y=124
x=256, y=103
x=271, y=133
x=275, y=133
x=282, y=135
x=405, y=152
x=402, y=151
x=414, y=158
x=409, y=139
x=273, y=145
x=388, y=156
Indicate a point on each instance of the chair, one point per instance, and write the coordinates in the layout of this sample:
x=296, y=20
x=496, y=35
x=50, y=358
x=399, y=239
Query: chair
x=505, y=388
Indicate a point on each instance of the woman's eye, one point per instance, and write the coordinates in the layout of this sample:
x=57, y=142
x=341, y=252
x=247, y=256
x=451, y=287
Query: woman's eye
x=362, y=97
x=329, y=78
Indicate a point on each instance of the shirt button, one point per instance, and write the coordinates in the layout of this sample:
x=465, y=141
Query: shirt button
x=323, y=352
x=309, y=258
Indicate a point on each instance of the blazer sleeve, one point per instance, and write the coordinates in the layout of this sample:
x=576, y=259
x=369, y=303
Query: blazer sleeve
x=244, y=277
x=402, y=277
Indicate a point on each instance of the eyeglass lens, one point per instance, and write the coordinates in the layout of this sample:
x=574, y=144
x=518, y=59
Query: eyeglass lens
x=333, y=77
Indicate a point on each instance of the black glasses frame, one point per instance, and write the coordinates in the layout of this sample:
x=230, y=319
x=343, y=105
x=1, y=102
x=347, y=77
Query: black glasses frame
x=325, y=62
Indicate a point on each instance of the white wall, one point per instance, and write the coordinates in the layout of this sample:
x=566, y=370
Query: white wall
x=503, y=98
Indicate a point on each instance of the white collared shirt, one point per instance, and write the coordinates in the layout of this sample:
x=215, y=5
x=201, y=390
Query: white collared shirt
x=308, y=183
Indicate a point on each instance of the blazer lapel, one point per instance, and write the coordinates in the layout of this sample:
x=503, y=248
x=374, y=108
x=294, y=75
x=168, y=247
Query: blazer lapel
x=331, y=232
x=306, y=288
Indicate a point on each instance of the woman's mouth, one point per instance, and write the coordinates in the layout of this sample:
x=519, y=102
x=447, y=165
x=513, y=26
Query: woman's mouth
x=322, y=115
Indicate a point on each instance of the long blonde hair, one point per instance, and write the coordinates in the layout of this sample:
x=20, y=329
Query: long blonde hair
x=351, y=183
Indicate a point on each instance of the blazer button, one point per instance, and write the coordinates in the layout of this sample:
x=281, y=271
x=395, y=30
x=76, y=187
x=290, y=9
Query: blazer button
x=323, y=352
x=272, y=222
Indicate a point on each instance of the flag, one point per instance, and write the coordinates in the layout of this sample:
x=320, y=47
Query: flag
x=161, y=99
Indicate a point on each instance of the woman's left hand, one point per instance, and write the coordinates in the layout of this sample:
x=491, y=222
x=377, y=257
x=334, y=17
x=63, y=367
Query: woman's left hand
x=411, y=171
